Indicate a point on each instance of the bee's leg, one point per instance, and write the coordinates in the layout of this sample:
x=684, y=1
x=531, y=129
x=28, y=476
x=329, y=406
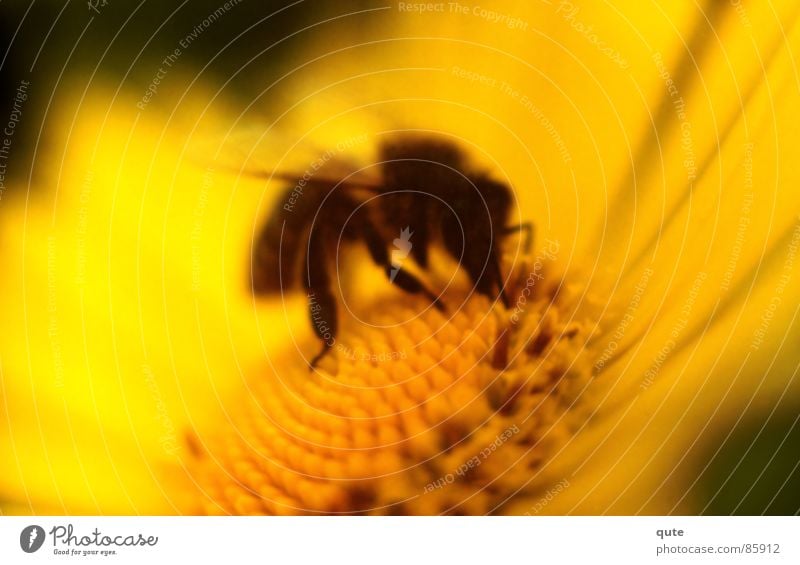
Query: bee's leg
x=526, y=227
x=490, y=283
x=412, y=285
x=527, y=244
x=398, y=276
x=497, y=275
x=322, y=310
x=313, y=363
x=420, y=252
x=321, y=301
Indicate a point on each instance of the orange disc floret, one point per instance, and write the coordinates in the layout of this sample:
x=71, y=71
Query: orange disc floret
x=446, y=413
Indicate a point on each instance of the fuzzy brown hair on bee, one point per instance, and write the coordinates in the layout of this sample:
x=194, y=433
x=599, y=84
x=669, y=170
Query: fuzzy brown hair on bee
x=426, y=193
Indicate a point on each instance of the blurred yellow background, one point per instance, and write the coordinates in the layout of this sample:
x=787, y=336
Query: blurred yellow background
x=650, y=139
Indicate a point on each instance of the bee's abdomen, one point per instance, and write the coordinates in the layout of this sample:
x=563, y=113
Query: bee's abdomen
x=274, y=263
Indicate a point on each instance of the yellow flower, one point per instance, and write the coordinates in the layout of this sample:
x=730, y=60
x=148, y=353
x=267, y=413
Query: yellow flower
x=651, y=146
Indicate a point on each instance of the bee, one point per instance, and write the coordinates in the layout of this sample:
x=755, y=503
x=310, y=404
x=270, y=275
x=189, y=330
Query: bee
x=426, y=192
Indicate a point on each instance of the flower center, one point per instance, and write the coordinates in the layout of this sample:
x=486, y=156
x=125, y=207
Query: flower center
x=451, y=412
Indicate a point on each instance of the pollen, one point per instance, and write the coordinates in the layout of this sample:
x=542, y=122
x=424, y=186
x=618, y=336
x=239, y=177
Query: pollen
x=417, y=412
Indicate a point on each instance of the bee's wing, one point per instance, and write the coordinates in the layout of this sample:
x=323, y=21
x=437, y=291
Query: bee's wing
x=298, y=175
x=260, y=149
x=249, y=147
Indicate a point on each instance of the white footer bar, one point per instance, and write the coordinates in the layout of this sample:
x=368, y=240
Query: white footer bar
x=394, y=540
